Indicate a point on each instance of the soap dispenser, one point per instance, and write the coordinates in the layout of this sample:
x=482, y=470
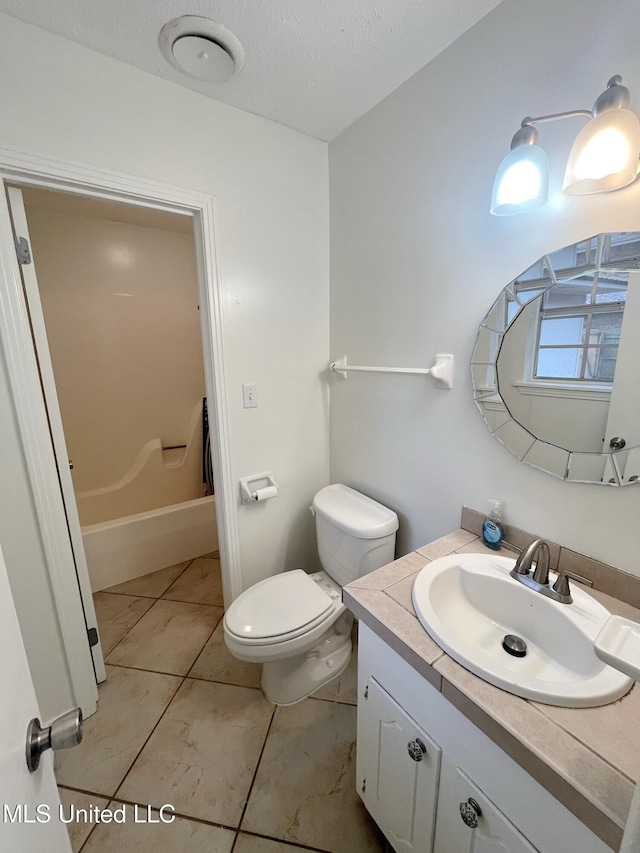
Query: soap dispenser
x=492, y=529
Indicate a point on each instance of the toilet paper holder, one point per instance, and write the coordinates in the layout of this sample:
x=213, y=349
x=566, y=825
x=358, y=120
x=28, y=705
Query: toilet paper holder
x=258, y=488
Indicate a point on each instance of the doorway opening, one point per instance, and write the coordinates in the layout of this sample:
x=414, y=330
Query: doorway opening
x=118, y=290
x=61, y=578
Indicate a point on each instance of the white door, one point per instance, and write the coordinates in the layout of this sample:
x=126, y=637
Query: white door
x=624, y=409
x=398, y=766
x=26, y=829
x=32, y=295
x=468, y=822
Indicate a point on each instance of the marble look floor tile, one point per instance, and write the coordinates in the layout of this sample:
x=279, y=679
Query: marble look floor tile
x=130, y=704
x=216, y=663
x=116, y=614
x=78, y=828
x=257, y=844
x=203, y=754
x=200, y=583
x=151, y=585
x=179, y=836
x=304, y=791
x=168, y=638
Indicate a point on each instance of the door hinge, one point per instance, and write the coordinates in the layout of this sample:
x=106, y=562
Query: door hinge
x=92, y=634
x=23, y=252
x=364, y=785
x=366, y=692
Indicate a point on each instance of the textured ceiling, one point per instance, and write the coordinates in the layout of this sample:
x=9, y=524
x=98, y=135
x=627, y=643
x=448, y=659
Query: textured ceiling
x=313, y=65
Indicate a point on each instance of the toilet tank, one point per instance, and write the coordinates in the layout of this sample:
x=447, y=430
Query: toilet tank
x=355, y=534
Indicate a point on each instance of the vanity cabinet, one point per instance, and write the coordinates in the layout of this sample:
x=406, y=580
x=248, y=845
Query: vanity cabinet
x=419, y=758
x=484, y=829
x=398, y=768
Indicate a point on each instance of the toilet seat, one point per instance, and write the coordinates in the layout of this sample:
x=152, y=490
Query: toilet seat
x=279, y=609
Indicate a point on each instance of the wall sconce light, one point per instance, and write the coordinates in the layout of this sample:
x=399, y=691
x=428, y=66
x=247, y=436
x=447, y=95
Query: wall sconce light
x=604, y=156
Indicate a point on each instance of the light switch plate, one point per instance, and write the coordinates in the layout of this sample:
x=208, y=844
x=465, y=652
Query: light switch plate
x=250, y=396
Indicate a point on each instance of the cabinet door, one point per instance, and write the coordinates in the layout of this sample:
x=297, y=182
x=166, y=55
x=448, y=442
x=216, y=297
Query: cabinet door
x=398, y=766
x=493, y=833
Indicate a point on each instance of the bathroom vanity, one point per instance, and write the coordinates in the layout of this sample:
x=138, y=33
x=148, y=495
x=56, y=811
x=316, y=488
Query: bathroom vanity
x=449, y=763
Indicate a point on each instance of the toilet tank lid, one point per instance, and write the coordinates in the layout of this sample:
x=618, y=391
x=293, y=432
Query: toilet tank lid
x=354, y=513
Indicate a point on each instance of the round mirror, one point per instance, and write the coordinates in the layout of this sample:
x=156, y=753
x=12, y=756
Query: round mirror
x=555, y=365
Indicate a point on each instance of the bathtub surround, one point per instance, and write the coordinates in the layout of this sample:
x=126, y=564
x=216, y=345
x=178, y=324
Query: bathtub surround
x=120, y=302
x=119, y=294
x=157, y=478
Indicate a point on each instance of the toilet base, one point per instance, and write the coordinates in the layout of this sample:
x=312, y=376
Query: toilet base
x=285, y=682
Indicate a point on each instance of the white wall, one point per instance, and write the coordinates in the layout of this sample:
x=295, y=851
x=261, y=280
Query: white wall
x=270, y=185
x=417, y=260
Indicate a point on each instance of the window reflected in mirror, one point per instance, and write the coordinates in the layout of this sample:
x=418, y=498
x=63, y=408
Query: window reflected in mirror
x=555, y=360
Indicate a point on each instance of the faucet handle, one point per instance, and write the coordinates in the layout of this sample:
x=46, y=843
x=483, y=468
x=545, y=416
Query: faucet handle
x=561, y=586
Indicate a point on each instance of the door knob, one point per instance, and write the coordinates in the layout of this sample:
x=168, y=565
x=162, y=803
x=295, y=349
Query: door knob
x=63, y=733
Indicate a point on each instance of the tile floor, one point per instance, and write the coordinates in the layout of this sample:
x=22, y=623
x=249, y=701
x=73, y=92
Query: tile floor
x=180, y=721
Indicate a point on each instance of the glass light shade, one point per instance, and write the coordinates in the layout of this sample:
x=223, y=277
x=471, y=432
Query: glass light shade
x=522, y=181
x=605, y=154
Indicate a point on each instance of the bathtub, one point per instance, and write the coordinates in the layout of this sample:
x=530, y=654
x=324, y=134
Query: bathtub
x=128, y=547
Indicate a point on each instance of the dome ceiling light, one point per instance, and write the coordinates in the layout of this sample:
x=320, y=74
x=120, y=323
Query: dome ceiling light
x=201, y=48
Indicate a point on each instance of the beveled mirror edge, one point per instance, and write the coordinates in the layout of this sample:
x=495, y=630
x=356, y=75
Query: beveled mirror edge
x=611, y=474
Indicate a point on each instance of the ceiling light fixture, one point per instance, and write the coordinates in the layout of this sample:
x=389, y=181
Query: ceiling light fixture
x=201, y=48
x=604, y=156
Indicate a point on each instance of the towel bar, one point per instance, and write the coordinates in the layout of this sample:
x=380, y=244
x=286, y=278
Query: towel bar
x=442, y=370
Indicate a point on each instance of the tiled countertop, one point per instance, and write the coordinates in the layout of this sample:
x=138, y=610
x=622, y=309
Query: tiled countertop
x=587, y=758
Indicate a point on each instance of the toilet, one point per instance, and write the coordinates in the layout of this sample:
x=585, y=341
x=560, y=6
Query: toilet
x=295, y=623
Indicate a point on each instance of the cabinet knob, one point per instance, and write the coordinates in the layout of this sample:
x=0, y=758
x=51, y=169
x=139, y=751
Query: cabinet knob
x=416, y=749
x=470, y=812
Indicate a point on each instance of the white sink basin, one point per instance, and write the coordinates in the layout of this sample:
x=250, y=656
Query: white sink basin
x=469, y=602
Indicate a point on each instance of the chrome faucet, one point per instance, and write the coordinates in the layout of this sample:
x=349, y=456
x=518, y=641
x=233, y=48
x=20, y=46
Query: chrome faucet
x=538, y=550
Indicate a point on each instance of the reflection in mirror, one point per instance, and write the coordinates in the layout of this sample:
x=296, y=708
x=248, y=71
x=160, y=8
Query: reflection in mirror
x=555, y=362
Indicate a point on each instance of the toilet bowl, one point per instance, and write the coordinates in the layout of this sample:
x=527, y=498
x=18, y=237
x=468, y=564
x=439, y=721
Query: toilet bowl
x=295, y=623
